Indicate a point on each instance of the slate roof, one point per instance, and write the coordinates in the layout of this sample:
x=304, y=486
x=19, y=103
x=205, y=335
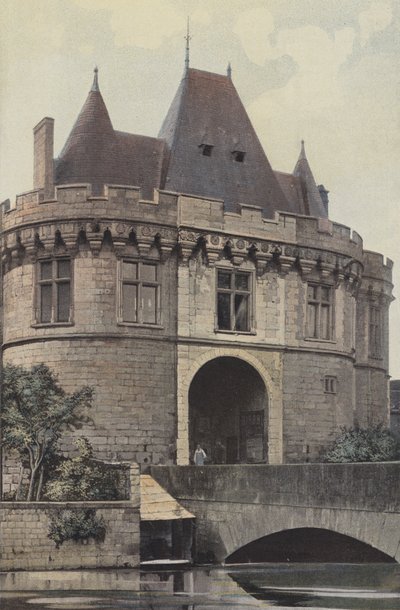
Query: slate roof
x=292, y=189
x=157, y=505
x=313, y=205
x=97, y=154
x=206, y=110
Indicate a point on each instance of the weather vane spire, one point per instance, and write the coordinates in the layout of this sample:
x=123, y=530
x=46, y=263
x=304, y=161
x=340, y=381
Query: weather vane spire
x=229, y=71
x=188, y=39
x=95, y=86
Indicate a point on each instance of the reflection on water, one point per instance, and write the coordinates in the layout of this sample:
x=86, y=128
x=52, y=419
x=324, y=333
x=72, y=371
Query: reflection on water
x=318, y=586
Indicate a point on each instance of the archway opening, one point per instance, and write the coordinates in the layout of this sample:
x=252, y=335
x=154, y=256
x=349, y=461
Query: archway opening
x=308, y=545
x=228, y=412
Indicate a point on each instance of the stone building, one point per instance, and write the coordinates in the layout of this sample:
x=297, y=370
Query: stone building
x=207, y=298
x=395, y=407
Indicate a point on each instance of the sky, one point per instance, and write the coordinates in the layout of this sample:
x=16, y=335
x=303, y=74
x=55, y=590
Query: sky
x=326, y=71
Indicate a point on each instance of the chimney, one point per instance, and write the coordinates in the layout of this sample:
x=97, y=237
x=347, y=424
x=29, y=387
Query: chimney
x=43, y=148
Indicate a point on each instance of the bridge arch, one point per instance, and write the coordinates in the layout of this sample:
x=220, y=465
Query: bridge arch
x=248, y=523
x=308, y=545
x=188, y=368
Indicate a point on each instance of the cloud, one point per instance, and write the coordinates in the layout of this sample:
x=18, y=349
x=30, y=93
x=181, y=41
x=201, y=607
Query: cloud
x=374, y=19
x=141, y=24
x=253, y=27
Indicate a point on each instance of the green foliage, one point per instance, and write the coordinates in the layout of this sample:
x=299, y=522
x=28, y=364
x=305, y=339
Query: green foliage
x=78, y=525
x=36, y=411
x=373, y=444
x=81, y=478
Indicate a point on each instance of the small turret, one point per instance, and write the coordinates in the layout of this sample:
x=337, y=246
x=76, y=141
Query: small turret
x=312, y=195
x=90, y=145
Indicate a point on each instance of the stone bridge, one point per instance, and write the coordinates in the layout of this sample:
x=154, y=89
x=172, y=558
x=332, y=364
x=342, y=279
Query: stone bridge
x=238, y=504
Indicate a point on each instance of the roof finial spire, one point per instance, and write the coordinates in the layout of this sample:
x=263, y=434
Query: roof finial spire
x=95, y=86
x=229, y=71
x=188, y=39
x=302, y=151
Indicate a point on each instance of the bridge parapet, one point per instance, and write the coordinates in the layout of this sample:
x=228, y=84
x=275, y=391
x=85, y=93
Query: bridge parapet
x=238, y=504
x=366, y=486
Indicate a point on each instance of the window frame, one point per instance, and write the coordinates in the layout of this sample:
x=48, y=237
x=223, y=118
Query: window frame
x=140, y=283
x=54, y=281
x=319, y=303
x=330, y=384
x=375, y=331
x=206, y=149
x=238, y=156
x=232, y=291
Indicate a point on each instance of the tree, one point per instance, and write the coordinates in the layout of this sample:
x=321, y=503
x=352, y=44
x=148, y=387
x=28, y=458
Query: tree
x=373, y=444
x=35, y=412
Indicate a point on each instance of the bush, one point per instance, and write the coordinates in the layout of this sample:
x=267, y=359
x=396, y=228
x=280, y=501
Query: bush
x=78, y=525
x=81, y=478
x=373, y=444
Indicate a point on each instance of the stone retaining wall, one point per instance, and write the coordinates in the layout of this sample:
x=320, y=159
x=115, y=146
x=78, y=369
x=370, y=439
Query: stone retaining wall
x=25, y=544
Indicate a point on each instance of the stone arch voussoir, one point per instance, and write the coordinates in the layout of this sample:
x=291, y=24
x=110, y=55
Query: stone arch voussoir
x=185, y=378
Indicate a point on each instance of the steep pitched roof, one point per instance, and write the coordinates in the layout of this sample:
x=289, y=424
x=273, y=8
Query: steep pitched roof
x=207, y=146
x=207, y=111
x=156, y=504
x=311, y=195
x=96, y=154
x=292, y=189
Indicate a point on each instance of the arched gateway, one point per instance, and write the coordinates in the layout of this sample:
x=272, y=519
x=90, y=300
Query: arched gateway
x=228, y=412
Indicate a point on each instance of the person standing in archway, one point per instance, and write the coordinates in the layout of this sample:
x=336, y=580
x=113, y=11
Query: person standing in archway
x=199, y=456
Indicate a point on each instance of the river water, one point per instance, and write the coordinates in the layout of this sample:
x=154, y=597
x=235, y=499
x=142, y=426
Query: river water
x=318, y=586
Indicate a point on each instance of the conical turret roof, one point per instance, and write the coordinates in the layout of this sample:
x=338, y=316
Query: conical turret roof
x=214, y=150
x=96, y=154
x=311, y=195
x=90, y=145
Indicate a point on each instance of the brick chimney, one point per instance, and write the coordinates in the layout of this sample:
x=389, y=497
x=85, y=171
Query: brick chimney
x=43, y=150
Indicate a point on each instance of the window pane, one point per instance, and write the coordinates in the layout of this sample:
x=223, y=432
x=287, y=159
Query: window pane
x=242, y=281
x=45, y=303
x=312, y=320
x=325, y=293
x=312, y=293
x=148, y=273
x=129, y=271
x=63, y=269
x=63, y=301
x=129, y=302
x=241, y=312
x=224, y=279
x=46, y=270
x=149, y=304
x=325, y=331
x=224, y=311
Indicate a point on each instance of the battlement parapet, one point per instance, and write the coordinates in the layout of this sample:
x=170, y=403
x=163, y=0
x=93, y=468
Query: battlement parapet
x=120, y=210
x=304, y=231
x=76, y=202
x=376, y=267
x=124, y=202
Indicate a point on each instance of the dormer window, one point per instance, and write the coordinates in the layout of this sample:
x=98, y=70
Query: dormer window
x=206, y=149
x=238, y=156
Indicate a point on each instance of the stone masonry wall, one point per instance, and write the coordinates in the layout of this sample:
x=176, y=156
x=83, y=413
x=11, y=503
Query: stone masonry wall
x=134, y=380
x=25, y=544
x=312, y=417
x=24, y=528
x=131, y=367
